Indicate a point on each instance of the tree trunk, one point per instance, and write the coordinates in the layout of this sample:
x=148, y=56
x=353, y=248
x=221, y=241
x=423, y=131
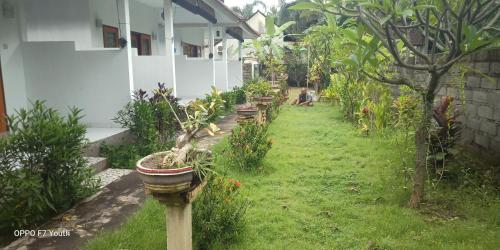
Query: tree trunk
x=421, y=135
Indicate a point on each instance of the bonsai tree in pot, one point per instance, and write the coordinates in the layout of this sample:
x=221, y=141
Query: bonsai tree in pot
x=183, y=166
x=260, y=91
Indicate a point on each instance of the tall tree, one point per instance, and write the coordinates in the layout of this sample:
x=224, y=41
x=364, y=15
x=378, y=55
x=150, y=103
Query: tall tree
x=448, y=30
x=248, y=9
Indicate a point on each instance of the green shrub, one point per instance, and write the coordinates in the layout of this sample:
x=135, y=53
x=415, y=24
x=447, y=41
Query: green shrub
x=258, y=88
x=229, y=98
x=218, y=214
x=239, y=95
x=249, y=143
x=150, y=120
x=42, y=171
x=120, y=156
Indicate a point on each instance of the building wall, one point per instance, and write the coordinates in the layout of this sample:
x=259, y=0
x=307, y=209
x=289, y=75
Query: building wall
x=94, y=80
x=221, y=81
x=194, y=76
x=235, y=74
x=480, y=96
x=57, y=20
x=143, y=19
x=149, y=71
x=11, y=58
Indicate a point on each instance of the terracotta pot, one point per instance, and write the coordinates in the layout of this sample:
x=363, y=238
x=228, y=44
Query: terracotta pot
x=249, y=111
x=164, y=181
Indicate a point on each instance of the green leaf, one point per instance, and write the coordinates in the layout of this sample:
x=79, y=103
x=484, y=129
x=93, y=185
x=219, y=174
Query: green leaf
x=270, y=26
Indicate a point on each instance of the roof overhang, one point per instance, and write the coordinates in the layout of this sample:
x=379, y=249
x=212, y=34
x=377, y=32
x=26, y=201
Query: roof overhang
x=237, y=20
x=198, y=7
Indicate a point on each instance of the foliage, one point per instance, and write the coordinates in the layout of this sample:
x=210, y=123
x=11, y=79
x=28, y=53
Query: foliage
x=150, y=120
x=218, y=214
x=249, y=143
x=321, y=183
x=42, y=170
x=435, y=35
x=201, y=162
x=201, y=113
x=295, y=60
x=269, y=49
x=120, y=156
x=258, y=88
x=239, y=95
x=376, y=108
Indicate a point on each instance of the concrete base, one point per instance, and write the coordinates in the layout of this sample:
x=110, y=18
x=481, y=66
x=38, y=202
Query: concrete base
x=179, y=226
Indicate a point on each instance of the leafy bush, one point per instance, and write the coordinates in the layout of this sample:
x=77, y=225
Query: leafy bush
x=376, y=108
x=229, y=98
x=258, y=87
x=239, y=95
x=213, y=104
x=150, y=120
x=120, y=156
x=42, y=170
x=218, y=214
x=249, y=143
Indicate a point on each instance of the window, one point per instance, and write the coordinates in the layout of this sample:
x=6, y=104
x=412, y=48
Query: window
x=110, y=36
x=191, y=50
x=142, y=42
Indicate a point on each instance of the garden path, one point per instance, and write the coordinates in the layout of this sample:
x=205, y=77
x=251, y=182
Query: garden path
x=122, y=195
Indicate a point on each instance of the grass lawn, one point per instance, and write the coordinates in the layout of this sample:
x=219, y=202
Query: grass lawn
x=325, y=186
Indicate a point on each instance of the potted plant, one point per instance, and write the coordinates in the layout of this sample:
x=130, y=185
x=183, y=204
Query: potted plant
x=183, y=166
x=261, y=92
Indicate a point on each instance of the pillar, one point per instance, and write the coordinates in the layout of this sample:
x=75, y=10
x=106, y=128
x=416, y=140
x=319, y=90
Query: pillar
x=225, y=60
x=123, y=9
x=169, y=42
x=179, y=226
x=211, y=47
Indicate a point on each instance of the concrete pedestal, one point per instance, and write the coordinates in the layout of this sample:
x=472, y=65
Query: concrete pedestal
x=179, y=227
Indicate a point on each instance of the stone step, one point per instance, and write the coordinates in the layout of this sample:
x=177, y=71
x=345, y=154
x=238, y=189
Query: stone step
x=98, y=164
x=109, y=138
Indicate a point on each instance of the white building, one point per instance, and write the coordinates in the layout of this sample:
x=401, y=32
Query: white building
x=92, y=54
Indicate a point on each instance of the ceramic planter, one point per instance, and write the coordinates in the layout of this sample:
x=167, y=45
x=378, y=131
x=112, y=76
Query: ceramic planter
x=163, y=181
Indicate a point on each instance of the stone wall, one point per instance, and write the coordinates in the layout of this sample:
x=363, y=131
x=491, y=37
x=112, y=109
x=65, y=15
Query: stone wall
x=247, y=72
x=478, y=101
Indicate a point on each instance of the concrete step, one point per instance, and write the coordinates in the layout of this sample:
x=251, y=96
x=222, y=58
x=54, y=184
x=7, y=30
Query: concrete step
x=98, y=136
x=97, y=164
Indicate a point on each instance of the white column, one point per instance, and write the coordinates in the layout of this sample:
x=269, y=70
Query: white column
x=211, y=49
x=240, y=59
x=169, y=42
x=224, y=60
x=124, y=28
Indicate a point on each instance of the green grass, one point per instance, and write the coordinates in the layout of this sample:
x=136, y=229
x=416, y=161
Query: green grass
x=325, y=186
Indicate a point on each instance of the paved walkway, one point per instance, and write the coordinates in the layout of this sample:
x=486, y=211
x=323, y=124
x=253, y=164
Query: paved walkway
x=121, y=196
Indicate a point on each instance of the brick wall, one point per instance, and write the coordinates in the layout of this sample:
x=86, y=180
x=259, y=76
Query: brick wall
x=481, y=98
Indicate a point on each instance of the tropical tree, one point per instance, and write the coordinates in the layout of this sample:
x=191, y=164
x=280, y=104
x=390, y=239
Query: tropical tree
x=427, y=36
x=268, y=48
x=248, y=9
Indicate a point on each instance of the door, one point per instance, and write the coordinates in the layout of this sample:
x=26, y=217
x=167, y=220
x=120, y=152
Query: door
x=3, y=118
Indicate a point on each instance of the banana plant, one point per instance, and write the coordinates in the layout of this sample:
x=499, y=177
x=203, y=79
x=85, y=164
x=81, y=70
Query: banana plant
x=268, y=48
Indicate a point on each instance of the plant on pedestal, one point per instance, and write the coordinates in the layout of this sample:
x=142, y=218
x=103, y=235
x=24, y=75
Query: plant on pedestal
x=178, y=169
